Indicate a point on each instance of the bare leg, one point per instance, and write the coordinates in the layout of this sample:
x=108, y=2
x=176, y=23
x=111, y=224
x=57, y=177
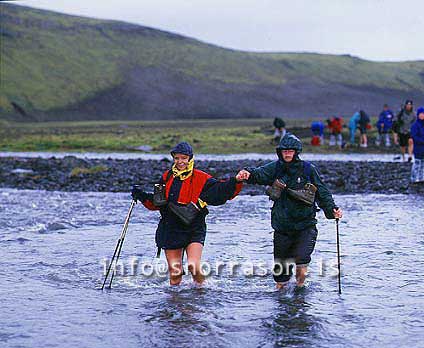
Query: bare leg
x=410, y=147
x=281, y=286
x=194, y=255
x=301, y=273
x=402, y=151
x=174, y=259
x=387, y=140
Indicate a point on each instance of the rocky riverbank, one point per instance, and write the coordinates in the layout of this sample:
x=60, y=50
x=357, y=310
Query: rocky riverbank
x=115, y=175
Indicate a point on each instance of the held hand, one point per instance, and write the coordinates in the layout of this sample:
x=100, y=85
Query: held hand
x=338, y=213
x=242, y=175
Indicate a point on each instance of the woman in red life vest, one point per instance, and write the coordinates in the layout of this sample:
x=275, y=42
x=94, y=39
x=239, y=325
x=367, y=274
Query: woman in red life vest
x=335, y=126
x=182, y=225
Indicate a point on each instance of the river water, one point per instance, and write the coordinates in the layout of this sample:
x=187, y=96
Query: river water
x=53, y=246
x=356, y=157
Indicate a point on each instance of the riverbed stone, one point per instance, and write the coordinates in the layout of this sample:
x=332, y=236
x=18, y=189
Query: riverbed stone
x=53, y=174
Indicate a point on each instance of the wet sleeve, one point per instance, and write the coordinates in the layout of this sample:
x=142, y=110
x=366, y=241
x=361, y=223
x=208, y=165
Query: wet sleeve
x=217, y=192
x=264, y=175
x=324, y=198
x=148, y=203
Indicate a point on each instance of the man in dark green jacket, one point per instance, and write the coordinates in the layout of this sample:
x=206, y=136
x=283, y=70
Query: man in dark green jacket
x=293, y=220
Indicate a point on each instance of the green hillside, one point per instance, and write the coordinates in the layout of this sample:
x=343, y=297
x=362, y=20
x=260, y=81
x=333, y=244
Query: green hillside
x=60, y=67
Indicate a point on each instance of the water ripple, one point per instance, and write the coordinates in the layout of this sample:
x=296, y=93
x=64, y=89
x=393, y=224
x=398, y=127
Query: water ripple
x=53, y=243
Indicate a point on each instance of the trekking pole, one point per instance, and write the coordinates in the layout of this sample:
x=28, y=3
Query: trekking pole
x=118, y=247
x=338, y=256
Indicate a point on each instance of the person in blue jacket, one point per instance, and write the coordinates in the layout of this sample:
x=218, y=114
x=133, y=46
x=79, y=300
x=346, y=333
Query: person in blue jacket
x=317, y=128
x=353, y=125
x=417, y=135
x=384, y=126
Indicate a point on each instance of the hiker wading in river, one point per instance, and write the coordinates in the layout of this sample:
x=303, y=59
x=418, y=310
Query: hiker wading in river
x=182, y=196
x=296, y=188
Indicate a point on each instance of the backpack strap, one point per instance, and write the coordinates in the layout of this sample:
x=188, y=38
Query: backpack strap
x=278, y=171
x=307, y=169
x=168, y=175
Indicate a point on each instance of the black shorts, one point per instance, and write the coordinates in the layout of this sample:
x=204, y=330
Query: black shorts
x=403, y=139
x=363, y=130
x=292, y=247
x=177, y=238
x=182, y=241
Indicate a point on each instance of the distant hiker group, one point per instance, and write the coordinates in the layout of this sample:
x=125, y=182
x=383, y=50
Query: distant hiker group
x=335, y=124
x=388, y=126
x=406, y=128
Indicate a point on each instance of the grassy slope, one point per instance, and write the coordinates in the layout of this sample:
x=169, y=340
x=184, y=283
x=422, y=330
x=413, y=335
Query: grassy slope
x=354, y=71
x=54, y=68
x=51, y=60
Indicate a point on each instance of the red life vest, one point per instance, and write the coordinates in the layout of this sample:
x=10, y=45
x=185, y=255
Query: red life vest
x=316, y=140
x=191, y=187
x=336, y=125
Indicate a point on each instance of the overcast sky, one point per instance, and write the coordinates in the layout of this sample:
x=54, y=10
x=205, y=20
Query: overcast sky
x=383, y=30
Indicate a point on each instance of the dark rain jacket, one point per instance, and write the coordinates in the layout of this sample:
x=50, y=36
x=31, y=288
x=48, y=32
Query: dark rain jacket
x=288, y=214
x=405, y=120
